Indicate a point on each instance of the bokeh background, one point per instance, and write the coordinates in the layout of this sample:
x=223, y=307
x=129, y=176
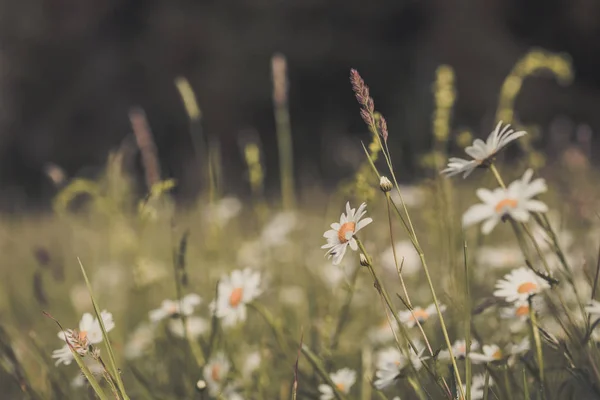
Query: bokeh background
x=70, y=70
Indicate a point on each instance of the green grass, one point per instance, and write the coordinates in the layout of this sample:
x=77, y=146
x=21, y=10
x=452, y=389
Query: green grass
x=309, y=319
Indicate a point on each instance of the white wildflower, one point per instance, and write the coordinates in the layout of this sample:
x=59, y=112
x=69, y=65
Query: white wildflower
x=409, y=318
x=343, y=379
x=233, y=293
x=517, y=202
x=482, y=152
x=173, y=308
x=519, y=285
x=341, y=235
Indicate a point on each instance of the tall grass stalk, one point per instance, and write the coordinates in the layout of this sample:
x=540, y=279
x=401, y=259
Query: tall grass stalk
x=314, y=360
x=388, y=303
x=284, y=130
x=537, y=343
x=111, y=354
x=82, y=366
x=468, y=373
x=381, y=132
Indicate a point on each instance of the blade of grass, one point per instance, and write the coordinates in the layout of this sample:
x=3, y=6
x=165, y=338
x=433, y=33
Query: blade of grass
x=84, y=368
x=111, y=354
x=467, y=325
x=525, y=386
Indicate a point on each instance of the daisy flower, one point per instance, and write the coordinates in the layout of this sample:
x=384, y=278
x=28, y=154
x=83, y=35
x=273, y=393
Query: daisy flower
x=520, y=309
x=276, y=232
x=233, y=293
x=140, y=340
x=459, y=349
x=215, y=373
x=409, y=318
x=517, y=202
x=519, y=348
x=482, y=152
x=490, y=353
x=343, y=380
x=230, y=393
x=519, y=285
x=173, y=308
x=341, y=235
x=499, y=257
x=251, y=364
x=406, y=255
x=196, y=327
x=89, y=333
x=478, y=386
x=63, y=355
x=389, y=363
x=221, y=212
x=383, y=332
x=415, y=356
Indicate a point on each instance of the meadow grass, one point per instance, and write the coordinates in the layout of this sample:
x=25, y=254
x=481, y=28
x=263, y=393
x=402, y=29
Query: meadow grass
x=425, y=295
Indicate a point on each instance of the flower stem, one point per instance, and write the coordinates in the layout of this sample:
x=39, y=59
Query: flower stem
x=386, y=298
x=437, y=307
x=308, y=353
x=538, y=347
x=345, y=311
x=497, y=175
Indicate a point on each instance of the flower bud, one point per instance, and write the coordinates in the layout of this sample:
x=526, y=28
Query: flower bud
x=363, y=260
x=385, y=185
x=201, y=385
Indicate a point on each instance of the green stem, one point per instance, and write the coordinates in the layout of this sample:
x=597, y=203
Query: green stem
x=310, y=356
x=497, y=175
x=387, y=300
x=538, y=347
x=345, y=311
x=286, y=163
x=467, y=325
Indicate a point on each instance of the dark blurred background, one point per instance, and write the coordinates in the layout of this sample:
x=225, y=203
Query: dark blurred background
x=71, y=70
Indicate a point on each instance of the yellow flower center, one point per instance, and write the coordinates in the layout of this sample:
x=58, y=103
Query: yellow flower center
x=497, y=355
x=236, y=297
x=340, y=387
x=420, y=314
x=215, y=373
x=82, y=335
x=527, y=287
x=522, y=311
x=344, y=229
x=506, y=203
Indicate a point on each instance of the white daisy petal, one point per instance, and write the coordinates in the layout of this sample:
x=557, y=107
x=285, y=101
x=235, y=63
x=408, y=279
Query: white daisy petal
x=481, y=152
